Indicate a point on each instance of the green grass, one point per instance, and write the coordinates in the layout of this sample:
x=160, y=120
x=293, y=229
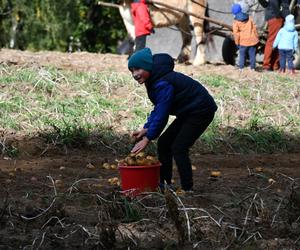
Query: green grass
x=254, y=115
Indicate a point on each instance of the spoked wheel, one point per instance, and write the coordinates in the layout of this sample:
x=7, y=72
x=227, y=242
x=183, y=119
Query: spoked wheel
x=229, y=51
x=297, y=58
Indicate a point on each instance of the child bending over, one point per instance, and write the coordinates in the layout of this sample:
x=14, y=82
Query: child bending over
x=171, y=93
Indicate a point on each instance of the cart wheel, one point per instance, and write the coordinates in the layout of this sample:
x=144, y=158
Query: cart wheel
x=229, y=51
x=297, y=59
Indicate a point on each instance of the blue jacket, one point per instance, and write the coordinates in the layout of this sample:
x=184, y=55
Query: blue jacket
x=173, y=93
x=287, y=37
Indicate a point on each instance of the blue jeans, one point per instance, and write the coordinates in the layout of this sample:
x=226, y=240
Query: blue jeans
x=252, y=54
x=286, y=55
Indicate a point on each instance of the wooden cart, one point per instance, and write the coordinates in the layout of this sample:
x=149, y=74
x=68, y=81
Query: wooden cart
x=229, y=49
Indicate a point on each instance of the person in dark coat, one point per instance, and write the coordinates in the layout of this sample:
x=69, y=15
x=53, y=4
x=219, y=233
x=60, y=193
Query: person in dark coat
x=172, y=93
x=142, y=23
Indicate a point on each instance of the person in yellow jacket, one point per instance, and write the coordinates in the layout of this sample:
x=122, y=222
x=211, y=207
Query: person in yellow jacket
x=245, y=35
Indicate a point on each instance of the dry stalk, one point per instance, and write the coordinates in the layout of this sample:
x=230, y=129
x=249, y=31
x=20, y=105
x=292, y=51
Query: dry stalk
x=87, y=231
x=66, y=236
x=249, y=171
x=276, y=211
x=39, y=215
x=186, y=216
x=208, y=214
x=147, y=195
x=246, y=218
x=80, y=180
x=34, y=241
x=105, y=145
x=127, y=235
x=267, y=187
x=9, y=210
x=53, y=183
x=228, y=216
x=3, y=144
x=47, y=209
x=251, y=236
x=288, y=177
x=42, y=240
x=296, y=221
x=102, y=199
x=173, y=211
x=195, y=245
x=235, y=230
x=54, y=217
x=106, y=227
x=282, y=199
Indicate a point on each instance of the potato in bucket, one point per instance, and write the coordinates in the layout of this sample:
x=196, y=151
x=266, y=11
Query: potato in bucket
x=139, y=173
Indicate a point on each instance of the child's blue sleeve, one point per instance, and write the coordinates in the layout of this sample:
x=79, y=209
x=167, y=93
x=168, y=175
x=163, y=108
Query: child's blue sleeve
x=277, y=39
x=164, y=93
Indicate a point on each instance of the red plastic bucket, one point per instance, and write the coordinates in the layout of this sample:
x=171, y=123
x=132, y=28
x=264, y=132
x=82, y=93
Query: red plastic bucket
x=137, y=179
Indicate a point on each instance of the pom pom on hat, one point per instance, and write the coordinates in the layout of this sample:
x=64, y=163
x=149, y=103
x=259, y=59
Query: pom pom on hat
x=235, y=9
x=244, y=7
x=141, y=59
x=290, y=19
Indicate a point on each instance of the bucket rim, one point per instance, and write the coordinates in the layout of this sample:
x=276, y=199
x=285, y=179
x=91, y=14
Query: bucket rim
x=140, y=167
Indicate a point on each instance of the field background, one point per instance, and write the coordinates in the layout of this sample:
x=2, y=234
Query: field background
x=63, y=115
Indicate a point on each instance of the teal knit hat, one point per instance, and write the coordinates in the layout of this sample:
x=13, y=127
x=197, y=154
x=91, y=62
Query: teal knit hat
x=141, y=59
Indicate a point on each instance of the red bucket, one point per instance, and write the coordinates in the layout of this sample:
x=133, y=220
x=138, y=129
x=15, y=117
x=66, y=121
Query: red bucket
x=137, y=179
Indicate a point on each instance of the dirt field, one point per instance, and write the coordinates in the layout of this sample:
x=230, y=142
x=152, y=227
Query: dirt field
x=63, y=200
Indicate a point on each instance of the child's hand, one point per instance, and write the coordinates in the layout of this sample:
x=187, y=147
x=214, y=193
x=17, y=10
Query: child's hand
x=140, y=145
x=139, y=134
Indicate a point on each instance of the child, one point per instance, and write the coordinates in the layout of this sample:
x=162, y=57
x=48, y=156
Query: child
x=287, y=42
x=142, y=23
x=172, y=93
x=245, y=35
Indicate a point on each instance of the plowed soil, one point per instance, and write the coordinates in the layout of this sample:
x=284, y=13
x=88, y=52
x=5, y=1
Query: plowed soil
x=63, y=199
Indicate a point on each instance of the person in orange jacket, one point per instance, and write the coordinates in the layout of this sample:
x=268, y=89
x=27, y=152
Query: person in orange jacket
x=245, y=35
x=142, y=23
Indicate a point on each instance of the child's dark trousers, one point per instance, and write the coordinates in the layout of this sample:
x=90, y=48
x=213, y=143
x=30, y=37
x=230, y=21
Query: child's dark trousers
x=140, y=42
x=286, y=55
x=251, y=50
x=175, y=143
